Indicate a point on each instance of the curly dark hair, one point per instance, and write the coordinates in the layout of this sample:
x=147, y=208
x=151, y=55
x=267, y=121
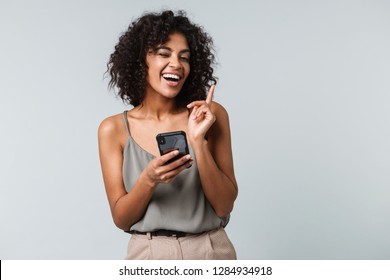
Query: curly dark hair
x=127, y=65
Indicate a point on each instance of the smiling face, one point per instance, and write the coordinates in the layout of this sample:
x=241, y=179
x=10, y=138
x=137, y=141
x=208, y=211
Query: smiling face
x=168, y=66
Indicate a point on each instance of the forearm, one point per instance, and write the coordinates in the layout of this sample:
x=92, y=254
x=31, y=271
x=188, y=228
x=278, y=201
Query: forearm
x=130, y=208
x=219, y=190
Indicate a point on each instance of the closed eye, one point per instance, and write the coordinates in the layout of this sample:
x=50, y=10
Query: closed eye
x=184, y=58
x=163, y=54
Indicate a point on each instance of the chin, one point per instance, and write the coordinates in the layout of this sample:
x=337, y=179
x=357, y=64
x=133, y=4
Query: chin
x=170, y=94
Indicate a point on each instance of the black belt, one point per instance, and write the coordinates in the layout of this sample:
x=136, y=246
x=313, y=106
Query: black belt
x=162, y=232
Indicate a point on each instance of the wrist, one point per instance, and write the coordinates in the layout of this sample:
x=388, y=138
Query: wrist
x=198, y=143
x=147, y=180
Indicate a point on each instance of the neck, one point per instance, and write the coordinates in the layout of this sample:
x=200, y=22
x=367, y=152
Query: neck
x=158, y=107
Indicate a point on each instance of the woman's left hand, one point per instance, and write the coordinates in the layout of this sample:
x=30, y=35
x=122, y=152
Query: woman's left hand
x=201, y=117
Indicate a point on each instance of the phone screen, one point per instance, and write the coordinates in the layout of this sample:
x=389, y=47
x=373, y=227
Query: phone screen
x=171, y=141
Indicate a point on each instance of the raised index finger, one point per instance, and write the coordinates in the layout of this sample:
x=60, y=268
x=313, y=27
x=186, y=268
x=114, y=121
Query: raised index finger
x=209, y=97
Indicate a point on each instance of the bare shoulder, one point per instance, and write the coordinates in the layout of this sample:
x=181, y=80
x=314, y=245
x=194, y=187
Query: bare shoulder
x=111, y=126
x=220, y=113
x=221, y=127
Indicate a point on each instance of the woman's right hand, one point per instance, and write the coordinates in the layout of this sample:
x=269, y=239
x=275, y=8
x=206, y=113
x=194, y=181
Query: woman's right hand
x=159, y=172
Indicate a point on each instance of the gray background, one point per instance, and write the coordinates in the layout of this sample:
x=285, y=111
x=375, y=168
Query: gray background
x=306, y=84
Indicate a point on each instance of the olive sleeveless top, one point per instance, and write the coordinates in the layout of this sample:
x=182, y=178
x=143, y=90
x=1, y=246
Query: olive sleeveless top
x=180, y=205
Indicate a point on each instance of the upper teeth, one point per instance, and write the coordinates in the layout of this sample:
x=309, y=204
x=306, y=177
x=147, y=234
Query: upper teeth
x=173, y=76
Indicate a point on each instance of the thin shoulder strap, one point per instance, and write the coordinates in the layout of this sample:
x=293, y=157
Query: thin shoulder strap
x=126, y=122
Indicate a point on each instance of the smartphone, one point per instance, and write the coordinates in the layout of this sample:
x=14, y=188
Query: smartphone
x=170, y=141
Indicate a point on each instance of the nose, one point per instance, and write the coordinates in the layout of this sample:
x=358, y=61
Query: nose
x=174, y=62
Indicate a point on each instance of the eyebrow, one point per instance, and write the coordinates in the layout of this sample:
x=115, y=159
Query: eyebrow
x=169, y=49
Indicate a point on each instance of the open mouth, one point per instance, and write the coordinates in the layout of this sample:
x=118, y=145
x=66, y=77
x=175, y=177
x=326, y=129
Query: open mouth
x=171, y=77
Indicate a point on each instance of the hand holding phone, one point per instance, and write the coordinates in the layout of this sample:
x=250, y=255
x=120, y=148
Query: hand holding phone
x=170, y=141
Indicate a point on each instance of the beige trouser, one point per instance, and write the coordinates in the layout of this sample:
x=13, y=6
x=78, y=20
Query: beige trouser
x=211, y=245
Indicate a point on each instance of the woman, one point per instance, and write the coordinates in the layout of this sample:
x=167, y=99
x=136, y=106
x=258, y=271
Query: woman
x=162, y=66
